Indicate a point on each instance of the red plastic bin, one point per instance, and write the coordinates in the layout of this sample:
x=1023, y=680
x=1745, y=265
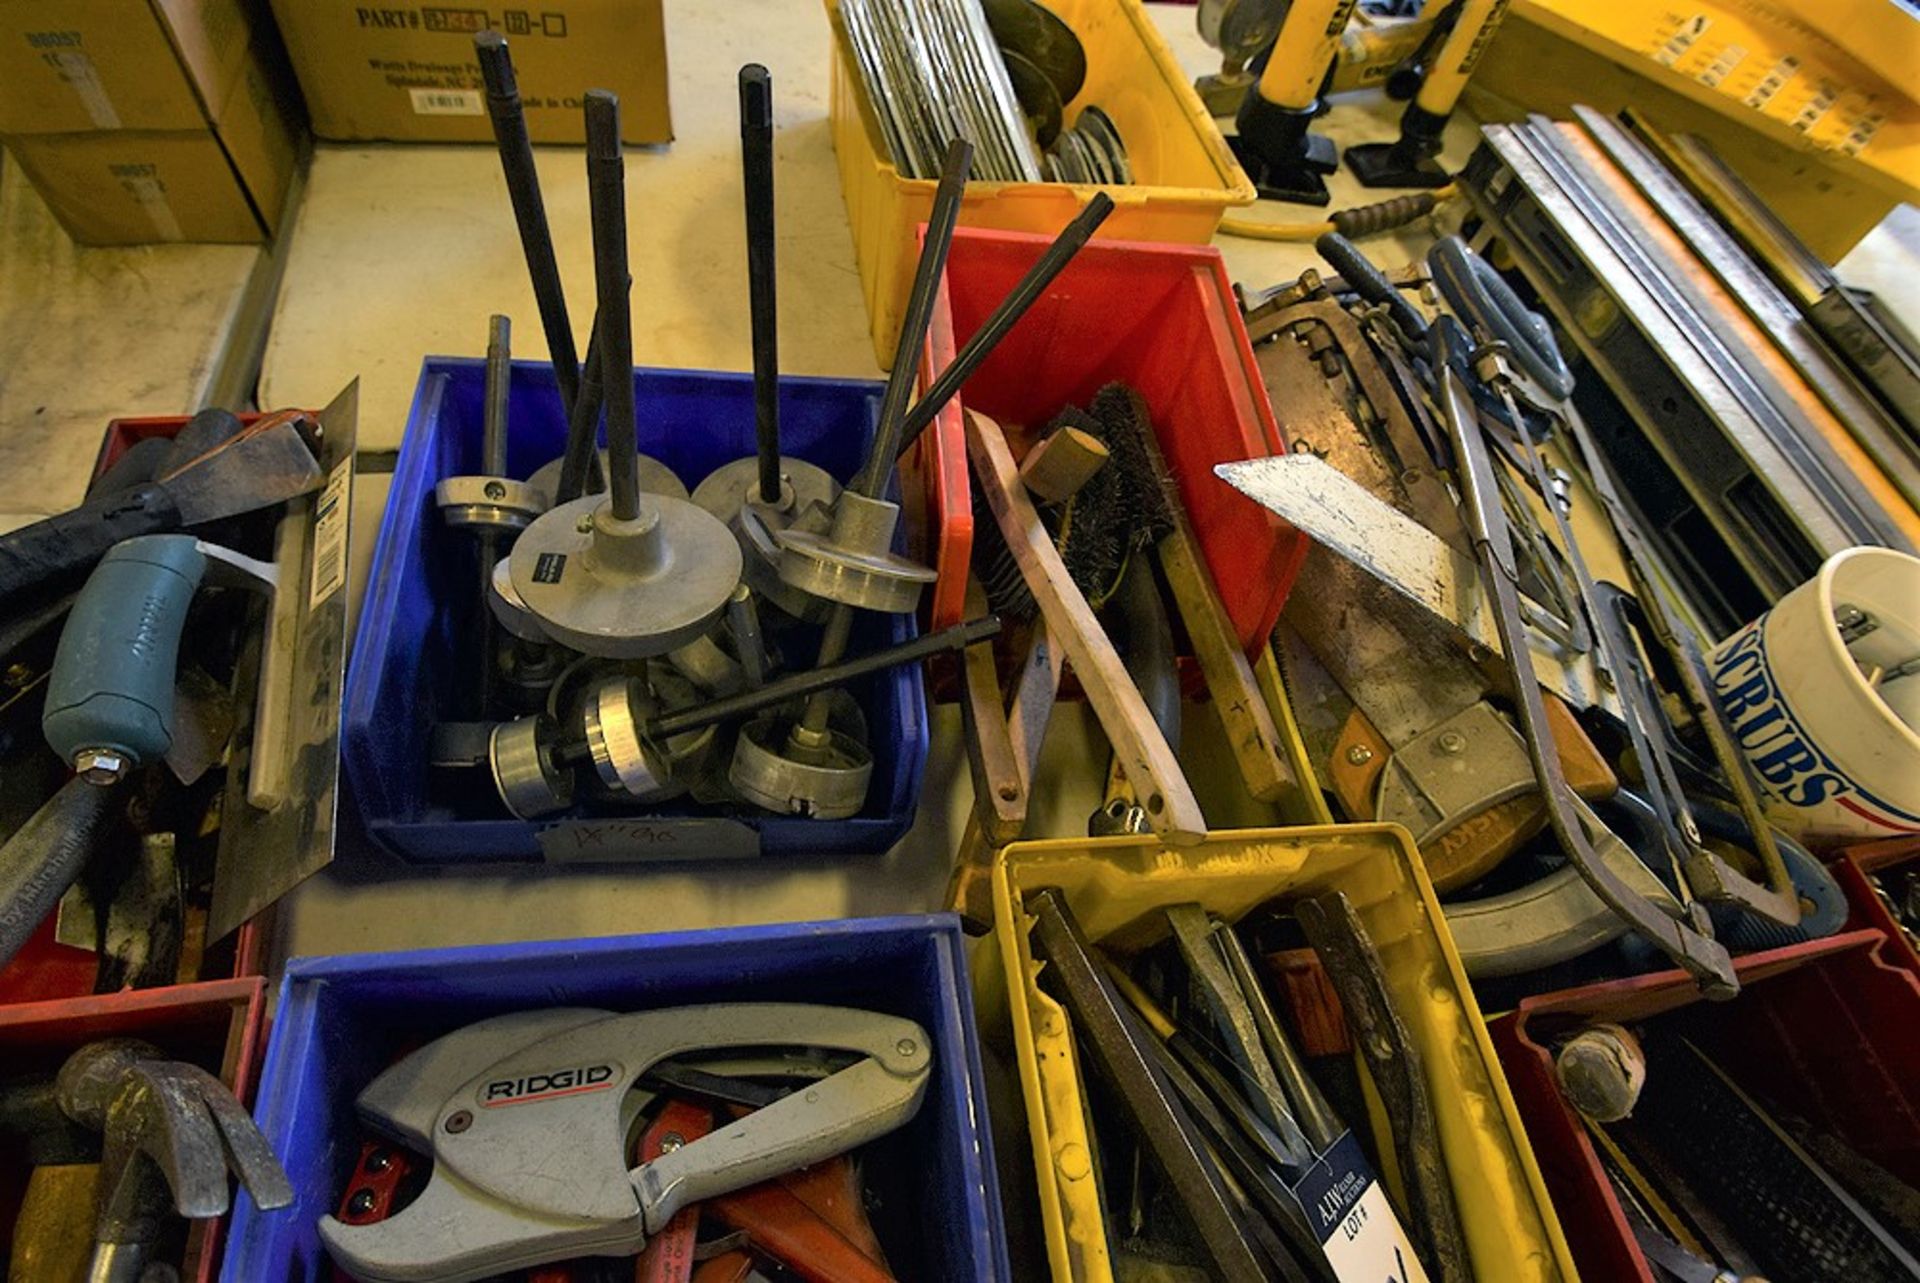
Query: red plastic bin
x=1159, y=317
x=217, y=1025
x=45, y=970
x=1829, y=1029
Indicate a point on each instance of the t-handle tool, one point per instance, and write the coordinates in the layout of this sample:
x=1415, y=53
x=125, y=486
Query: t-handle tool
x=619, y=576
x=525, y=1116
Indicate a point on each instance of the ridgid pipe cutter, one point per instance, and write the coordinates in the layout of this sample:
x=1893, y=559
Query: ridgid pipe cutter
x=527, y=1117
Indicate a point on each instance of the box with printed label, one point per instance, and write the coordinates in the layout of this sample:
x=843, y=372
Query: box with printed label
x=205, y=185
x=151, y=120
x=85, y=65
x=407, y=73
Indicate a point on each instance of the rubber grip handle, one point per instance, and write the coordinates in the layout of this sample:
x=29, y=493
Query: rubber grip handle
x=113, y=674
x=1370, y=283
x=49, y=553
x=44, y=856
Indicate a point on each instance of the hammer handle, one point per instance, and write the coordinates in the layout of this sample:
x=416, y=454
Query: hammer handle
x=60, y=549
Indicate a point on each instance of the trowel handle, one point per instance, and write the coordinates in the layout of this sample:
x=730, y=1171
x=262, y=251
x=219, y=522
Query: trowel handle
x=63, y=547
x=113, y=675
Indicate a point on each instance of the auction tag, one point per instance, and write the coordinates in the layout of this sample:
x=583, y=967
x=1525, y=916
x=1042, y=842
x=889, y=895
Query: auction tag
x=1348, y=1210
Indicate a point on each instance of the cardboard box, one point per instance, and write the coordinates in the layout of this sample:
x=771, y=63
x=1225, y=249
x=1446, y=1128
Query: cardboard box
x=225, y=184
x=84, y=65
x=400, y=73
x=151, y=120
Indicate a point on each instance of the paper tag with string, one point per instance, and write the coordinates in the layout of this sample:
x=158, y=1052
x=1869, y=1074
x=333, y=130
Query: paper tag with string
x=1347, y=1209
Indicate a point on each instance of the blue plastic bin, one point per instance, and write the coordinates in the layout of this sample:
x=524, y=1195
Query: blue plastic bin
x=341, y=1020
x=412, y=656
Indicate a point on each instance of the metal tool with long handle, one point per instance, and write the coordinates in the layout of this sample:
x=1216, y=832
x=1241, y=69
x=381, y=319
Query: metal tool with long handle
x=1116, y=1050
x=1357, y=972
x=806, y=766
x=1005, y=315
x=1686, y=943
x=529, y=208
x=772, y=489
x=46, y=855
x=523, y=1115
x=621, y=577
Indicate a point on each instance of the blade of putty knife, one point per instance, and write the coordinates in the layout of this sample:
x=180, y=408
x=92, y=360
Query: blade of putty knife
x=1344, y=516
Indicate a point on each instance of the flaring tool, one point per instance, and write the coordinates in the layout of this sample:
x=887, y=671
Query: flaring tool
x=777, y=487
x=527, y=1117
x=612, y=576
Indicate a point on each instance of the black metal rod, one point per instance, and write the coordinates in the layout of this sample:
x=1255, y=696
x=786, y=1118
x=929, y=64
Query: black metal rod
x=607, y=198
x=756, y=172
x=976, y=350
x=493, y=437
x=580, y=471
x=872, y=481
x=529, y=209
x=493, y=463
x=959, y=637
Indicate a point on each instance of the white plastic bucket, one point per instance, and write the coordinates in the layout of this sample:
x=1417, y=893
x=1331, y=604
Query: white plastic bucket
x=1836, y=752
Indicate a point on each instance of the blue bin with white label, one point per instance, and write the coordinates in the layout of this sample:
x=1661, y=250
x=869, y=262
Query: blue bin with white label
x=340, y=1021
x=412, y=661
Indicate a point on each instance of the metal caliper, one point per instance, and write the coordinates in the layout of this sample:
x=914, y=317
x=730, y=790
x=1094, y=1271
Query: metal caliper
x=527, y=1119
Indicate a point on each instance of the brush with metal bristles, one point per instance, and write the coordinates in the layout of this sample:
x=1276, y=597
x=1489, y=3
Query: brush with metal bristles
x=1123, y=509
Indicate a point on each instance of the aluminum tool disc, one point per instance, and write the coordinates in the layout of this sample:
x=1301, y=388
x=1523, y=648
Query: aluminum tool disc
x=655, y=478
x=625, y=592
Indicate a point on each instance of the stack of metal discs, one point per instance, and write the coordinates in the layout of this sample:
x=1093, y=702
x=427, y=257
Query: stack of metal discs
x=997, y=74
x=1089, y=152
x=933, y=74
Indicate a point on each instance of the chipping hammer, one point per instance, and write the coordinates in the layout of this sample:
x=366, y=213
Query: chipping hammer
x=170, y=1131
x=166, y=1134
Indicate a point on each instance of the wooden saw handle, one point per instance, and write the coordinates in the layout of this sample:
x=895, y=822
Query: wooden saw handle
x=1144, y=753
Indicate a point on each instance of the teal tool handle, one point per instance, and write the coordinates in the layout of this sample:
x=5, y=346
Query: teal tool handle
x=113, y=675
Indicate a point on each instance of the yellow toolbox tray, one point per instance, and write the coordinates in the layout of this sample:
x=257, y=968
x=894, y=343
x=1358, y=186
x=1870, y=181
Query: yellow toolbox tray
x=1511, y=1230
x=1185, y=178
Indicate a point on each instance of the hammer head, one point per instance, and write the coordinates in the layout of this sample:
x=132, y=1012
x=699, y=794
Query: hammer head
x=166, y=1127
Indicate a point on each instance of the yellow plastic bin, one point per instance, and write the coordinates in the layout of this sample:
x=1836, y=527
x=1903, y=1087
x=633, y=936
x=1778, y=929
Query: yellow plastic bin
x=1185, y=176
x=1512, y=1233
